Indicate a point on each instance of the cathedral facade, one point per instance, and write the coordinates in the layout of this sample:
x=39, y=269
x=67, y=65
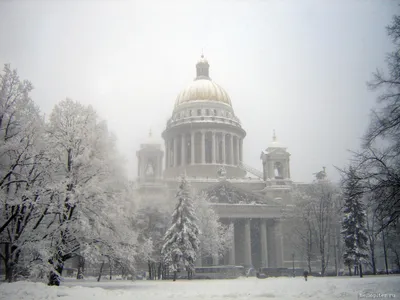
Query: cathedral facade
x=204, y=139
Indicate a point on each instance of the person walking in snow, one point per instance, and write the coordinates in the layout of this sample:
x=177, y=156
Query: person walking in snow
x=305, y=274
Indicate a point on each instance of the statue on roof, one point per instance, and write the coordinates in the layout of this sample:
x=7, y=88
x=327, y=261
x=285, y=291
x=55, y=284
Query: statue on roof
x=321, y=175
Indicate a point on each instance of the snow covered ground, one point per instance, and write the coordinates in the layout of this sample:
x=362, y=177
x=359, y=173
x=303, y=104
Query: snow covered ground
x=244, y=288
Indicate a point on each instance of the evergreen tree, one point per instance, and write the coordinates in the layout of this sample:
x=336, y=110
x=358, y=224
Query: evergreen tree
x=354, y=221
x=182, y=238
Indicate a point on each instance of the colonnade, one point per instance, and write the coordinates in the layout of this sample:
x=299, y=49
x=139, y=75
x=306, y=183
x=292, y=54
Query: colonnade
x=203, y=147
x=267, y=251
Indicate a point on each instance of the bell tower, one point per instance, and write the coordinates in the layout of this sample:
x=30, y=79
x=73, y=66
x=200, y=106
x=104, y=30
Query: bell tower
x=150, y=157
x=276, y=161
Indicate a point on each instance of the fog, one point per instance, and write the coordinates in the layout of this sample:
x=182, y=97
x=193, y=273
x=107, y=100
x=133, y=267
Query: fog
x=299, y=67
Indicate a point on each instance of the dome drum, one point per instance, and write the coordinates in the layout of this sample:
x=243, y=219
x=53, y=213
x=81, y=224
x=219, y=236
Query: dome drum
x=203, y=132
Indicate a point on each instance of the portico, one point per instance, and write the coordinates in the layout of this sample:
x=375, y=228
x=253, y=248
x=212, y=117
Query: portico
x=257, y=237
x=256, y=241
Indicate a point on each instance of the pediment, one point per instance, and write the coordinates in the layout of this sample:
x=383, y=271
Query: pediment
x=226, y=192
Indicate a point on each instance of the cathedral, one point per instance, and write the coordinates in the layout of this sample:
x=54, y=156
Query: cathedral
x=204, y=139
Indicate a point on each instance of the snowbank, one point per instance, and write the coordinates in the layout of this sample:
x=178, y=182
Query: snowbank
x=246, y=288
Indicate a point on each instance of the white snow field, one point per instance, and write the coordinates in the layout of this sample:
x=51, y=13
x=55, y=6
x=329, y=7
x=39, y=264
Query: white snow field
x=244, y=288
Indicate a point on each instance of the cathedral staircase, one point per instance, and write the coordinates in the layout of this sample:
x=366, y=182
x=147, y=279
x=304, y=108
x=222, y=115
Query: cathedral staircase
x=251, y=170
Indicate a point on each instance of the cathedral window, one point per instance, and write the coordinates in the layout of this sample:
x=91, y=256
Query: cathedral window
x=199, y=112
x=215, y=112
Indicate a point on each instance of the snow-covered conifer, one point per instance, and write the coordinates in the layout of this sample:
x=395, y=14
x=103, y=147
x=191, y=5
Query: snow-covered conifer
x=182, y=238
x=354, y=221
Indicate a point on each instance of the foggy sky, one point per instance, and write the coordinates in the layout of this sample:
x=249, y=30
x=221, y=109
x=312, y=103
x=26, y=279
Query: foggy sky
x=299, y=67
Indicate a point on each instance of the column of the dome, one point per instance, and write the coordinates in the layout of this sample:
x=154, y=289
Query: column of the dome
x=223, y=148
x=203, y=147
x=175, y=141
x=232, y=160
x=214, y=148
x=237, y=150
x=167, y=154
x=192, y=158
x=241, y=150
x=183, y=150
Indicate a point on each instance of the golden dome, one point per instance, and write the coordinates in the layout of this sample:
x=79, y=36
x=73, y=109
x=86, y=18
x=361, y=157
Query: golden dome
x=203, y=89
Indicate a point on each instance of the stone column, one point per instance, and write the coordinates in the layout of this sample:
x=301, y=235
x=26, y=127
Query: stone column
x=247, y=243
x=175, y=152
x=214, y=148
x=223, y=149
x=160, y=166
x=166, y=154
x=203, y=147
x=264, y=245
x=215, y=259
x=232, y=160
x=241, y=150
x=237, y=150
x=192, y=157
x=232, y=249
x=183, y=151
x=278, y=243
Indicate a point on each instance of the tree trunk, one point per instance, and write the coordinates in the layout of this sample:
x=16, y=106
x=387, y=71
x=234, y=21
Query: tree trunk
x=174, y=276
x=349, y=266
x=55, y=277
x=150, y=270
x=109, y=262
x=322, y=263
x=154, y=270
x=385, y=251
x=159, y=271
x=9, y=268
x=373, y=262
x=81, y=267
x=101, y=271
x=360, y=270
x=397, y=258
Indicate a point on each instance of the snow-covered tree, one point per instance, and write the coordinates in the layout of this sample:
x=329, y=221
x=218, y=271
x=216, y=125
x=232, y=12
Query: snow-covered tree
x=303, y=233
x=182, y=238
x=354, y=221
x=323, y=196
x=151, y=220
x=88, y=180
x=22, y=175
x=215, y=238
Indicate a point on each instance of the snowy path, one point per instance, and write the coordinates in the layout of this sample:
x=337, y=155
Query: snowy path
x=246, y=288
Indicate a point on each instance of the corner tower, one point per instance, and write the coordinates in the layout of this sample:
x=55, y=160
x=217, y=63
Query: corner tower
x=150, y=157
x=203, y=134
x=276, y=161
